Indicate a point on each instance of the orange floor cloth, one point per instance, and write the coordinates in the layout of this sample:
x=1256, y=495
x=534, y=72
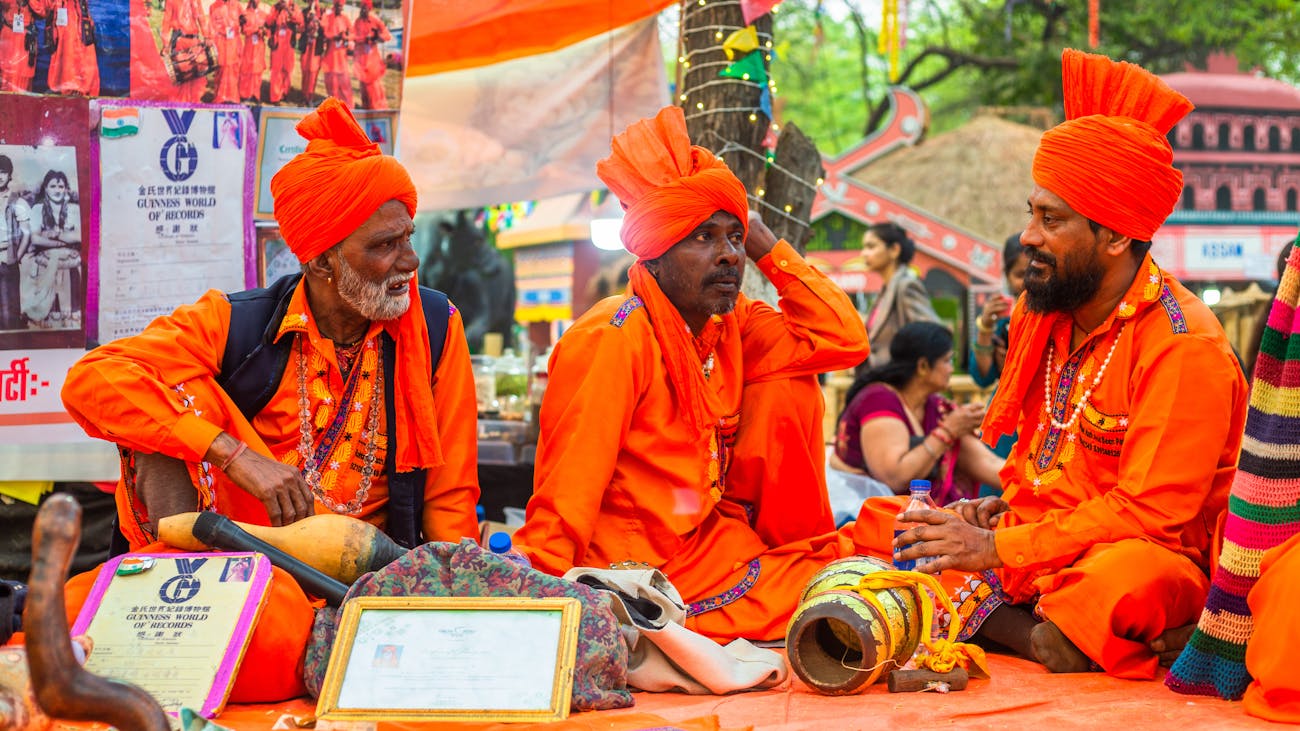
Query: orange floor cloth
x=1020, y=695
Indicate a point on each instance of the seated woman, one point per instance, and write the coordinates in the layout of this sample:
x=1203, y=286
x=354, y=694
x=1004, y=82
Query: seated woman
x=896, y=428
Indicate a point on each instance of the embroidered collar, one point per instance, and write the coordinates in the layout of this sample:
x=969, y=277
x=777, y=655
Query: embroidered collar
x=298, y=319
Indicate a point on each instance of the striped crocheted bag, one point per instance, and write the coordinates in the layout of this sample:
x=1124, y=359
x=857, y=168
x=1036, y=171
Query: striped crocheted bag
x=1263, y=509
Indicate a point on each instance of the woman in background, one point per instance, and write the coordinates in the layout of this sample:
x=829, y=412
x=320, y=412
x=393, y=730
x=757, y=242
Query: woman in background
x=887, y=251
x=897, y=428
x=51, y=270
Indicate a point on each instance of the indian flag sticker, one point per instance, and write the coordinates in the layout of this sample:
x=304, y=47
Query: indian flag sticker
x=119, y=121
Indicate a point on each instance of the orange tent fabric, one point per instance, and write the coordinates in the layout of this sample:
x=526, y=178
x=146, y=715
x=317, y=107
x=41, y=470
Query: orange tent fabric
x=446, y=35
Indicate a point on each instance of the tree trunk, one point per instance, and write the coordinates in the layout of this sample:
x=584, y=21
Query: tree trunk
x=724, y=115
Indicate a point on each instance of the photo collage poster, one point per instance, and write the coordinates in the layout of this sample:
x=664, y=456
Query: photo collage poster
x=254, y=52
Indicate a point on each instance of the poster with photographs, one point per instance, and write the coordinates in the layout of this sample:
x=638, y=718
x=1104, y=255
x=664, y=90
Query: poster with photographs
x=284, y=52
x=73, y=47
x=278, y=142
x=44, y=229
x=179, y=183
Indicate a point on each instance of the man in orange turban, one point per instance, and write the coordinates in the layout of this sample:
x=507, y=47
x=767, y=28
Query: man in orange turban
x=648, y=394
x=1127, y=397
x=353, y=422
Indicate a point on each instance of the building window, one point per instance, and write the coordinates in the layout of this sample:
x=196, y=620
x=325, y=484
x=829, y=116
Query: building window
x=1260, y=200
x=1223, y=199
x=1198, y=136
x=1225, y=134
x=1291, y=200
x=1189, y=198
x=1274, y=139
x=1295, y=139
x=1248, y=138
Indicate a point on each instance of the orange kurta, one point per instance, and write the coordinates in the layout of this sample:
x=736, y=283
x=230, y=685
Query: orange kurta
x=282, y=26
x=338, y=37
x=252, y=59
x=74, y=65
x=311, y=56
x=1112, y=519
x=226, y=36
x=17, y=67
x=621, y=477
x=186, y=19
x=156, y=392
x=369, y=32
x=1275, y=691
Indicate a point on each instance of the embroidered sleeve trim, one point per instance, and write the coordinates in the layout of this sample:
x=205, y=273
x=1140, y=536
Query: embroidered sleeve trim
x=630, y=305
x=730, y=595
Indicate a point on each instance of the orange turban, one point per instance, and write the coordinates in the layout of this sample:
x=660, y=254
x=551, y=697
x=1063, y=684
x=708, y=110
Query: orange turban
x=324, y=193
x=1110, y=160
x=668, y=185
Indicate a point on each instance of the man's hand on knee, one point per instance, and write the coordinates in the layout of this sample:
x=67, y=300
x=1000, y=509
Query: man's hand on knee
x=982, y=512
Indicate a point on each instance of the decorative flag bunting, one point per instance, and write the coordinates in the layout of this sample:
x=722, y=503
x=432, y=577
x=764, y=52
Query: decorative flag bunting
x=753, y=9
x=749, y=68
x=741, y=41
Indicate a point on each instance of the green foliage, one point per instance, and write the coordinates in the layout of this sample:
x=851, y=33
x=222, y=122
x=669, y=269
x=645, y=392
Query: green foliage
x=959, y=55
x=836, y=232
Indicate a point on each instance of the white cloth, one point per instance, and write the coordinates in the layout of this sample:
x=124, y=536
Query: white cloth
x=848, y=490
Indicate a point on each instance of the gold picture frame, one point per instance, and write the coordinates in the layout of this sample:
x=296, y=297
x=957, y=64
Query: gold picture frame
x=452, y=659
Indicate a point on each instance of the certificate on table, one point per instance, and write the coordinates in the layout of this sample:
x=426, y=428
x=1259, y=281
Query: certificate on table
x=404, y=658
x=175, y=624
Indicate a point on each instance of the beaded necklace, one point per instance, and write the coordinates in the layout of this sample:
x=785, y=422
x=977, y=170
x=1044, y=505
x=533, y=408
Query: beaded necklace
x=1082, y=404
x=310, y=463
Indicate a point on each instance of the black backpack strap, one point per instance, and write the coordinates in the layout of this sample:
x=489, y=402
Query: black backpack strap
x=406, y=489
x=253, y=362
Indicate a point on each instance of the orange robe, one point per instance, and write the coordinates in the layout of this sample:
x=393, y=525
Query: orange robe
x=1112, y=519
x=621, y=477
x=1275, y=691
x=186, y=18
x=282, y=26
x=156, y=392
x=311, y=60
x=74, y=66
x=369, y=32
x=338, y=35
x=226, y=36
x=252, y=62
x=16, y=69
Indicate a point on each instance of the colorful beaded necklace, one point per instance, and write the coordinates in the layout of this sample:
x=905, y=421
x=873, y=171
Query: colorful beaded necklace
x=311, y=457
x=1082, y=404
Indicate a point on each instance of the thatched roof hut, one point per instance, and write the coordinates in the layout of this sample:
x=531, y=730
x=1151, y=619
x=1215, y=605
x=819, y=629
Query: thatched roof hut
x=976, y=176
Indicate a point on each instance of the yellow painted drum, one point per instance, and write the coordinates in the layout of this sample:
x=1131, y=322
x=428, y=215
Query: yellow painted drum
x=838, y=642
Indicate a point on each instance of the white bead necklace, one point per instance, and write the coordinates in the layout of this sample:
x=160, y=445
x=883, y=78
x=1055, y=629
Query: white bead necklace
x=1082, y=404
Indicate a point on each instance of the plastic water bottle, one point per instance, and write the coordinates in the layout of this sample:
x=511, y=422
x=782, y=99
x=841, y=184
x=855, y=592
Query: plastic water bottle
x=920, y=500
x=501, y=545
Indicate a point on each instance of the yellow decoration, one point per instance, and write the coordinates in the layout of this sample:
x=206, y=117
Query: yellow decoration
x=890, y=42
x=354, y=422
x=343, y=453
x=323, y=414
x=940, y=655
x=741, y=42
x=26, y=491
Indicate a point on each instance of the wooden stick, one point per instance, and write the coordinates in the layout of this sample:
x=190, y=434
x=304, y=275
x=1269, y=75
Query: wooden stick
x=910, y=681
x=63, y=688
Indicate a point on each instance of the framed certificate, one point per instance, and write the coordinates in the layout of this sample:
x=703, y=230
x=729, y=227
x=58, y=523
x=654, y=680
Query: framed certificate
x=175, y=624
x=452, y=659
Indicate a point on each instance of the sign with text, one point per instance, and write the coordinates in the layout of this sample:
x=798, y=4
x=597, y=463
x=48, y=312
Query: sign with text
x=177, y=185
x=175, y=624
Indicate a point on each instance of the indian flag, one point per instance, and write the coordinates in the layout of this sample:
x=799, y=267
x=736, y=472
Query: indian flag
x=119, y=121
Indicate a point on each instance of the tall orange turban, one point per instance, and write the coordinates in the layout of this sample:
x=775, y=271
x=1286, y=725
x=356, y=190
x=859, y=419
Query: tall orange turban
x=1110, y=160
x=324, y=193
x=668, y=185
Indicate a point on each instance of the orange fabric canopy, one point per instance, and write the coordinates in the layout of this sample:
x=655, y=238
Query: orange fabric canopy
x=446, y=35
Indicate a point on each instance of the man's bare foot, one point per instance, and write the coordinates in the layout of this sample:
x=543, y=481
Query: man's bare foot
x=1169, y=645
x=1055, y=651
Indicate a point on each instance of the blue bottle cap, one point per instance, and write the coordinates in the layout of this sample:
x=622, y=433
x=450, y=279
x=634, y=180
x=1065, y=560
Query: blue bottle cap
x=480, y=512
x=920, y=485
x=499, y=542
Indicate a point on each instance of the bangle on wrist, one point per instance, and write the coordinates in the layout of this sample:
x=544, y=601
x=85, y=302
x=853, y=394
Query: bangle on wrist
x=234, y=456
x=930, y=449
x=981, y=348
x=979, y=324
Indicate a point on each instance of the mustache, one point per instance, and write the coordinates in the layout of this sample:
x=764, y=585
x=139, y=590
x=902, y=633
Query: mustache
x=1041, y=257
x=723, y=273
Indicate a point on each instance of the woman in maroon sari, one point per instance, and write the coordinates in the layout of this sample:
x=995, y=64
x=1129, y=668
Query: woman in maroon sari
x=897, y=428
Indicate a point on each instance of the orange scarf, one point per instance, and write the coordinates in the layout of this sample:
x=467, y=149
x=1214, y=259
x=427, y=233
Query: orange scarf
x=324, y=194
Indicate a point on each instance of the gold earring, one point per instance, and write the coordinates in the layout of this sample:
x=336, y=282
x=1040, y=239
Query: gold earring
x=329, y=279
